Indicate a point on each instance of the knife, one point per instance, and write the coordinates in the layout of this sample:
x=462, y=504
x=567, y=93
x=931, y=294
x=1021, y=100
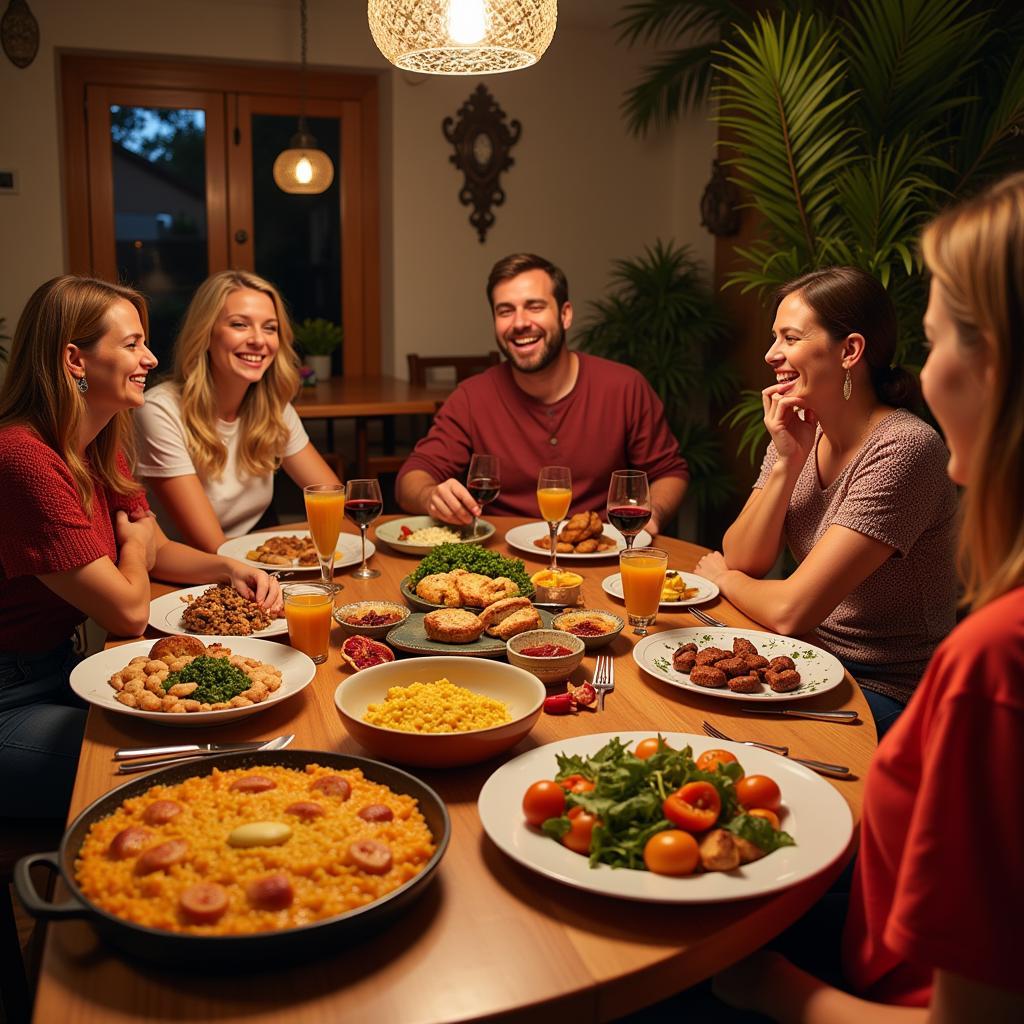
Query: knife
x=848, y=717
x=128, y=753
x=277, y=743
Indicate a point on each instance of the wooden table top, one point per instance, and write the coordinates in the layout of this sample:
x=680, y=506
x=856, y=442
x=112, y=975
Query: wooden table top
x=488, y=937
x=342, y=397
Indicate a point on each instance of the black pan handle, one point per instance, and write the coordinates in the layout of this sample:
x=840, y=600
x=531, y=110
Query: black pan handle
x=25, y=889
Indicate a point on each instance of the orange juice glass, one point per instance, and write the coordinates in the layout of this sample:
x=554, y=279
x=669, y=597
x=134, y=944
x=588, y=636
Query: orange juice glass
x=554, y=496
x=554, y=503
x=307, y=608
x=643, y=575
x=325, y=510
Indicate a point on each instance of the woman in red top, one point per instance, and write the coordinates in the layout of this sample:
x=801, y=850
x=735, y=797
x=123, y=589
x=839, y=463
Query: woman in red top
x=933, y=917
x=77, y=539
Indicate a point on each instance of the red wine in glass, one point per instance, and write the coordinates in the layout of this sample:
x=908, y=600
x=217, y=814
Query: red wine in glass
x=484, y=489
x=629, y=520
x=629, y=502
x=363, y=511
x=483, y=481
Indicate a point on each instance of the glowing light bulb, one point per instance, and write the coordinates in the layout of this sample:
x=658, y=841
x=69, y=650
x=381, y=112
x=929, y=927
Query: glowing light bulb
x=304, y=171
x=467, y=21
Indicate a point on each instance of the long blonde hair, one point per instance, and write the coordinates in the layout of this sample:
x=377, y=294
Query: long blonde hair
x=40, y=391
x=262, y=430
x=976, y=254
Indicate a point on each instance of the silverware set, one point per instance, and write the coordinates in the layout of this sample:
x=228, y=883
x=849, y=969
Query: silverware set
x=161, y=757
x=821, y=767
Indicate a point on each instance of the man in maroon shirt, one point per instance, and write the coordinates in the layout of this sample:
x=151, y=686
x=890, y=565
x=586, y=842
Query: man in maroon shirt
x=545, y=405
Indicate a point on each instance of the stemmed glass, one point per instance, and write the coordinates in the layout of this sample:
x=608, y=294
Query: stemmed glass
x=629, y=502
x=554, y=495
x=325, y=510
x=363, y=503
x=483, y=481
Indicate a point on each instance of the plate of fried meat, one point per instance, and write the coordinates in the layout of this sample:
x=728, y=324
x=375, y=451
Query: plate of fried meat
x=583, y=537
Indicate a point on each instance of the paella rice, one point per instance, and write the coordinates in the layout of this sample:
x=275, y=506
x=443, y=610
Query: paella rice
x=253, y=850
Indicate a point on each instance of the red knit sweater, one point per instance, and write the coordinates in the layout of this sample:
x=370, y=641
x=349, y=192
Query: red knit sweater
x=44, y=529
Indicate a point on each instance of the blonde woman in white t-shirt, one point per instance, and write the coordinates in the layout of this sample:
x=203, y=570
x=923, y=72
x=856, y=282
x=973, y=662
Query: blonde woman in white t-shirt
x=211, y=437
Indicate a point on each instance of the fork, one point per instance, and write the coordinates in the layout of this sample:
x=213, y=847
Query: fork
x=821, y=767
x=704, y=617
x=604, y=678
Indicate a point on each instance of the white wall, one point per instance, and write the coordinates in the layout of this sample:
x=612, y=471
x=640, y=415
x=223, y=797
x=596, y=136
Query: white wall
x=581, y=191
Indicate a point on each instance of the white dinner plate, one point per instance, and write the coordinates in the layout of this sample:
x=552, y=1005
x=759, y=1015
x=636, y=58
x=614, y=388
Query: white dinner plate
x=819, y=670
x=165, y=614
x=522, y=537
x=90, y=679
x=814, y=814
x=706, y=590
x=391, y=534
x=349, y=549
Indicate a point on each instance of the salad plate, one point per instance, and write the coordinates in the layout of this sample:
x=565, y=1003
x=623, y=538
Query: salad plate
x=819, y=670
x=90, y=679
x=349, y=550
x=813, y=813
x=165, y=614
x=522, y=539
x=706, y=590
x=394, y=531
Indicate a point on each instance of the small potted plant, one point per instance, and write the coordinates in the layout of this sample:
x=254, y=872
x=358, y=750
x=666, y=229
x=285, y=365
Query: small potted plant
x=318, y=339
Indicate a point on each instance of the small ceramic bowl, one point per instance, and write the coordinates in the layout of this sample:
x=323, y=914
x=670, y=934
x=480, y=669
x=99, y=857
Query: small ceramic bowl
x=520, y=690
x=346, y=612
x=608, y=621
x=565, y=592
x=547, y=670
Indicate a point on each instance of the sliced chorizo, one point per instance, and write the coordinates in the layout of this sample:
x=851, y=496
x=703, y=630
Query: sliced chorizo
x=370, y=856
x=253, y=784
x=130, y=842
x=377, y=812
x=333, y=785
x=203, y=902
x=271, y=892
x=305, y=810
x=161, y=811
x=160, y=858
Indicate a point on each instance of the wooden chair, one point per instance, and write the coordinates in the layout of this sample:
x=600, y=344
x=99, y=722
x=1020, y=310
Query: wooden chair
x=463, y=366
x=18, y=838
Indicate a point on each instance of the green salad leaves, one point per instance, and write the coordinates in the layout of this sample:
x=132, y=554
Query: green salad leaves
x=473, y=558
x=628, y=795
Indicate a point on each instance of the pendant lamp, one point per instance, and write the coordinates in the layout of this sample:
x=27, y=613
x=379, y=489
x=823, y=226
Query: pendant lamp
x=303, y=168
x=462, y=37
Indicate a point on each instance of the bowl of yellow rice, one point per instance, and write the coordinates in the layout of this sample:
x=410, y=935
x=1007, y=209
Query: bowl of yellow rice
x=439, y=712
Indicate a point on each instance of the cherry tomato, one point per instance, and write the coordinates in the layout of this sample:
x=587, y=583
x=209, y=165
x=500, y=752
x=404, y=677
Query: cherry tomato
x=770, y=816
x=671, y=853
x=645, y=748
x=758, y=791
x=543, y=800
x=578, y=837
x=694, y=808
x=713, y=759
x=576, y=784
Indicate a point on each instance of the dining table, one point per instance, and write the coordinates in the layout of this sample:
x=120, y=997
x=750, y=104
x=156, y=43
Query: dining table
x=488, y=938
x=364, y=398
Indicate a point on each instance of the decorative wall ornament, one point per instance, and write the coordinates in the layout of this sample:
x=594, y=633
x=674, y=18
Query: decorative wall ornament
x=462, y=37
x=719, y=206
x=482, y=142
x=19, y=32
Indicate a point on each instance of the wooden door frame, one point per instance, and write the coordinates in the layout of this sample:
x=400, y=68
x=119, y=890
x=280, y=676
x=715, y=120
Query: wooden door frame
x=360, y=198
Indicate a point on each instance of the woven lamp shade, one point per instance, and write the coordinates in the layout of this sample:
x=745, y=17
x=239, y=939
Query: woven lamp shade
x=462, y=37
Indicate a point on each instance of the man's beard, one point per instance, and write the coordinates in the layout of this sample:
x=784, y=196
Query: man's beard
x=552, y=349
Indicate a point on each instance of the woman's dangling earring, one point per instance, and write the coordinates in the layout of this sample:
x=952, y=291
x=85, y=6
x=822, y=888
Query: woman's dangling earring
x=83, y=384
x=847, y=386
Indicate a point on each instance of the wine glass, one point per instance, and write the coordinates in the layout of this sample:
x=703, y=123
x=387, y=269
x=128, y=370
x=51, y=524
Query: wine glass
x=325, y=509
x=483, y=481
x=554, y=495
x=629, y=502
x=363, y=503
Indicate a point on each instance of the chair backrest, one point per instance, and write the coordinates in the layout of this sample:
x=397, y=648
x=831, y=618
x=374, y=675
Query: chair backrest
x=463, y=366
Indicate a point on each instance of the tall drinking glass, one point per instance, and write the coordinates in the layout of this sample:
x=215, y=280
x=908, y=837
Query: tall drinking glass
x=643, y=575
x=363, y=504
x=554, y=495
x=483, y=481
x=325, y=510
x=307, y=609
x=629, y=502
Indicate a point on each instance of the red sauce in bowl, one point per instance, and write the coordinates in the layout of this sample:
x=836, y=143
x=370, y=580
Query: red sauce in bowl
x=587, y=629
x=546, y=651
x=372, y=618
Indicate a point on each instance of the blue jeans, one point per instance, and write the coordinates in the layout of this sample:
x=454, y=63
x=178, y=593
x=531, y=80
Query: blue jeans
x=41, y=727
x=884, y=710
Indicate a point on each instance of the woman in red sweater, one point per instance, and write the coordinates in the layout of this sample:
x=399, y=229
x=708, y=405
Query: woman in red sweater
x=933, y=919
x=77, y=539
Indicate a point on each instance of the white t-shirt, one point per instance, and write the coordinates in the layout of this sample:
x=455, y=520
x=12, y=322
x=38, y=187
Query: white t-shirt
x=237, y=502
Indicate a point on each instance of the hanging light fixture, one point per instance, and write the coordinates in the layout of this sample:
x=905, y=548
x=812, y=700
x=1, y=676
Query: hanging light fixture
x=462, y=37
x=303, y=168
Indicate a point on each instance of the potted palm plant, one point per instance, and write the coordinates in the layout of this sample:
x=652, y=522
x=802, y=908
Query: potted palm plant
x=318, y=339
x=660, y=317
